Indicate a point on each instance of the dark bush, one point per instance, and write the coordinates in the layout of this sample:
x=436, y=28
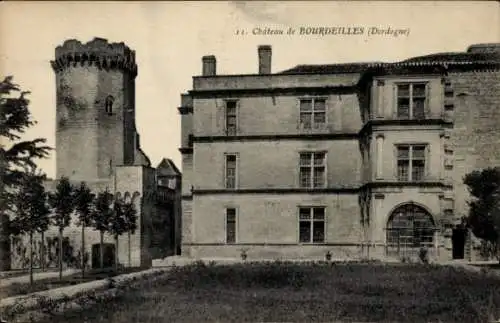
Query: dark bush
x=423, y=255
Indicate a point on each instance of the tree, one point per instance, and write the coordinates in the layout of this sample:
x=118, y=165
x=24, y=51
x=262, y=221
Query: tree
x=43, y=219
x=62, y=202
x=117, y=225
x=32, y=210
x=484, y=206
x=83, y=204
x=15, y=119
x=101, y=217
x=130, y=215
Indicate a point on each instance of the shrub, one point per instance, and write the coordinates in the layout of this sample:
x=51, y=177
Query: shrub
x=423, y=255
x=406, y=259
x=487, y=250
x=243, y=254
x=13, y=310
x=47, y=305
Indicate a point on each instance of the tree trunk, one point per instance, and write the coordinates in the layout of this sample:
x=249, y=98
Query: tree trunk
x=116, y=254
x=101, y=249
x=42, y=252
x=60, y=253
x=83, y=251
x=31, y=258
x=129, y=251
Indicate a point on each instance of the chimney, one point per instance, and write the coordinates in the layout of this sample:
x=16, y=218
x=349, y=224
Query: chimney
x=209, y=65
x=265, y=54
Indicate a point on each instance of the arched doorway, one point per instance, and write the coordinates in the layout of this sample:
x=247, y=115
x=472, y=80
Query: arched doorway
x=409, y=228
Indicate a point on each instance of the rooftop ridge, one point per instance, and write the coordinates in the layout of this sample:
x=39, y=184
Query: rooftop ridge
x=481, y=54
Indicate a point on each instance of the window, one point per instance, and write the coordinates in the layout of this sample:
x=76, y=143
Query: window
x=230, y=225
x=410, y=227
x=411, y=162
x=108, y=104
x=231, y=168
x=231, y=118
x=311, y=224
x=312, y=113
x=190, y=140
x=312, y=169
x=411, y=100
x=172, y=183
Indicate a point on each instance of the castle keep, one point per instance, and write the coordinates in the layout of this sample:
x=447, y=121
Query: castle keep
x=357, y=160
x=97, y=142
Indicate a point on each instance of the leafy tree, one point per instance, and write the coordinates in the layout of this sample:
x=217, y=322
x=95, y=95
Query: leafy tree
x=32, y=210
x=484, y=207
x=63, y=203
x=124, y=220
x=117, y=225
x=15, y=155
x=130, y=215
x=43, y=221
x=83, y=204
x=101, y=218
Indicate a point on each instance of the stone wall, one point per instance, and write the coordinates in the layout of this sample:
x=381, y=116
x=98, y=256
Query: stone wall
x=275, y=163
x=475, y=136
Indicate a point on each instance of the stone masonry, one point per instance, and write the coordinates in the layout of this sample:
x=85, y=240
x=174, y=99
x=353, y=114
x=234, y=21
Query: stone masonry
x=365, y=191
x=97, y=142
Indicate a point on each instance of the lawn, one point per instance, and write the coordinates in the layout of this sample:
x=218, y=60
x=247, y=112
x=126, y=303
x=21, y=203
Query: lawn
x=279, y=292
x=15, y=289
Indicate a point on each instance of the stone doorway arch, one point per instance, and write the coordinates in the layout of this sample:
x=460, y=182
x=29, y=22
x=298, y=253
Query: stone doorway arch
x=410, y=227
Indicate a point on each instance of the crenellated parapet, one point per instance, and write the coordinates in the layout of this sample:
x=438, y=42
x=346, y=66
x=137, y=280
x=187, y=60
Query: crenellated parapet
x=97, y=52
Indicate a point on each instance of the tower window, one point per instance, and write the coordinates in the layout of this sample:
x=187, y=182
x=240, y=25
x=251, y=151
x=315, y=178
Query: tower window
x=312, y=169
x=231, y=118
x=231, y=225
x=411, y=161
x=108, y=104
x=231, y=171
x=411, y=100
x=312, y=224
x=312, y=113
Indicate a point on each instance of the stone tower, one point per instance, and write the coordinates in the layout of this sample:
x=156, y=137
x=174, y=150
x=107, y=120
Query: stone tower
x=95, y=127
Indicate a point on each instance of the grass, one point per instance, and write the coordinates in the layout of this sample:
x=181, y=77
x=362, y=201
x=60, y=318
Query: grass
x=16, y=289
x=280, y=292
x=488, y=266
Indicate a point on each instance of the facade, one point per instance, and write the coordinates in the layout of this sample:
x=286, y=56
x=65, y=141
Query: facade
x=97, y=142
x=359, y=160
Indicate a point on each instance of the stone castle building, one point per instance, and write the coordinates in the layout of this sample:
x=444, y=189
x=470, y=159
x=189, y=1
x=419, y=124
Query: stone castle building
x=97, y=142
x=359, y=159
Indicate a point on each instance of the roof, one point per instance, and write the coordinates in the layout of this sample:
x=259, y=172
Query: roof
x=469, y=57
x=329, y=68
x=167, y=168
x=457, y=57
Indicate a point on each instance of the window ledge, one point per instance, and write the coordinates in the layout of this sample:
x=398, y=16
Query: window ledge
x=395, y=183
x=311, y=243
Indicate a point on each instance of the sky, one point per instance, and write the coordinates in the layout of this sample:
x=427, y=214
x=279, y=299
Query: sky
x=171, y=37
